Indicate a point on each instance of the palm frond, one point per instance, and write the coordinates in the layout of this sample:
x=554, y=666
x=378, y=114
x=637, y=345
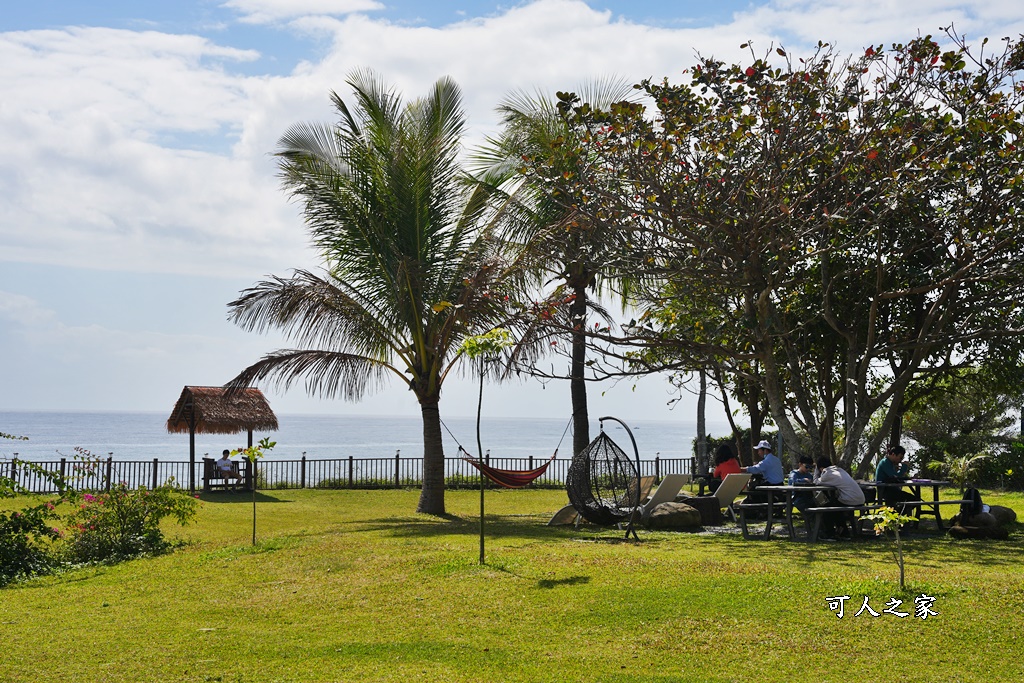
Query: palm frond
x=325, y=373
x=316, y=311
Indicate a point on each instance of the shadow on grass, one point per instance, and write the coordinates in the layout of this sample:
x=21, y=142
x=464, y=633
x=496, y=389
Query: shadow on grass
x=567, y=581
x=239, y=497
x=511, y=527
x=928, y=551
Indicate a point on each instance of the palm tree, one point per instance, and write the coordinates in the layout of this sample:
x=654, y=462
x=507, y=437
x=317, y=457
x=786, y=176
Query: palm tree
x=576, y=250
x=410, y=268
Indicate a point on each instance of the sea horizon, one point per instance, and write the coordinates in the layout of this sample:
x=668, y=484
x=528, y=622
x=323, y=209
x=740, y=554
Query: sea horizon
x=142, y=435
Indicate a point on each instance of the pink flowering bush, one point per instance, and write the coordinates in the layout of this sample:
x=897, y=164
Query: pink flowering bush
x=124, y=523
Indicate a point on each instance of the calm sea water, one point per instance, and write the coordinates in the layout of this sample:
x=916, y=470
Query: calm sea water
x=143, y=436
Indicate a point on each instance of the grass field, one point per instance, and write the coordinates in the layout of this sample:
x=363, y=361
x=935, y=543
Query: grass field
x=353, y=586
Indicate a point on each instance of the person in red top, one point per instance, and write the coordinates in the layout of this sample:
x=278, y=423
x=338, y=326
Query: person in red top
x=725, y=463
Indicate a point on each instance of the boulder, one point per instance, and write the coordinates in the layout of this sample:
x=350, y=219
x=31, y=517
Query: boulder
x=673, y=516
x=984, y=520
x=709, y=508
x=1003, y=515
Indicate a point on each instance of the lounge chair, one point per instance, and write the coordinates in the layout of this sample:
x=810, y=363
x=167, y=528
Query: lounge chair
x=728, y=490
x=666, y=492
x=564, y=517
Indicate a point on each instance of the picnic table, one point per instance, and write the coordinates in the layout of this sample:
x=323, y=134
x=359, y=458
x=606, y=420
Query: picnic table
x=790, y=490
x=922, y=507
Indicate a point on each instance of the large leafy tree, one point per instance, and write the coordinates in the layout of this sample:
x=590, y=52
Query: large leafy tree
x=571, y=251
x=853, y=225
x=965, y=415
x=410, y=268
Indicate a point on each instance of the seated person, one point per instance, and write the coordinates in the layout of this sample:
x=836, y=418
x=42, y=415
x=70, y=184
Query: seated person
x=847, y=494
x=226, y=466
x=770, y=467
x=767, y=471
x=893, y=470
x=802, y=475
x=726, y=463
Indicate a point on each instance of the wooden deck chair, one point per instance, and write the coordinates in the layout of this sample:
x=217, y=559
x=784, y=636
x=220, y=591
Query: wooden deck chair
x=564, y=517
x=728, y=490
x=666, y=492
x=646, y=484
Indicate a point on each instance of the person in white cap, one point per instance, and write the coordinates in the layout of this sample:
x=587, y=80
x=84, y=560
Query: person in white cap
x=770, y=467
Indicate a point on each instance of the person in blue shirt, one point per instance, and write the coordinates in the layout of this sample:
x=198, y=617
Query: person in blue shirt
x=802, y=475
x=770, y=467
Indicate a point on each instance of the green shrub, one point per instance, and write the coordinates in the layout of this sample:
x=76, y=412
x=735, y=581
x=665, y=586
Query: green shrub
x=1004, y=468
x=124, y=523
x=26, y=535
x=26, y=542
x=466, y=481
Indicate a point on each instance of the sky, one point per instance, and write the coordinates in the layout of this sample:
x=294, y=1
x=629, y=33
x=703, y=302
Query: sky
x=138, y=196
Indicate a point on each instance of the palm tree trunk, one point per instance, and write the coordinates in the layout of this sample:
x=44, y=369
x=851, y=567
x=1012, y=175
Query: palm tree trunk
x=577, y=383
x=432, y=493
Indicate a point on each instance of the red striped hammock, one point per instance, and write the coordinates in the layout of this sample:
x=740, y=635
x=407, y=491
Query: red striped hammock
x=509, y=479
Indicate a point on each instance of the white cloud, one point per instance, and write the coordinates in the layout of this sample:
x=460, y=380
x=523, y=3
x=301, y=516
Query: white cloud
x=146, y=151
x=270, y=11
x=855, y=25
x=23, y=311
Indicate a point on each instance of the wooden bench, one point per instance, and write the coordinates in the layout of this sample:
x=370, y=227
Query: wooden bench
x=214, y=479
x=856, y=512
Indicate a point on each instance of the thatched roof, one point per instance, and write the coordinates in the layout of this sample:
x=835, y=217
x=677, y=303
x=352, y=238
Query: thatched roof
x=215, y=411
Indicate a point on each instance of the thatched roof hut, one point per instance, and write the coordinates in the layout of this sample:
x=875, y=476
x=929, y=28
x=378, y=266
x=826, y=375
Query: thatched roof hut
x=213, y=410
x=216, y=410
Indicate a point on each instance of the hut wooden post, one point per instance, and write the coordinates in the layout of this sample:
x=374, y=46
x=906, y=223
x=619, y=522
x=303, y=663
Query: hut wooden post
x=192, y=453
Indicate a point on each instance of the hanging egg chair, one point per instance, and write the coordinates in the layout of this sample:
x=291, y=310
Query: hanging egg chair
x=603, y=483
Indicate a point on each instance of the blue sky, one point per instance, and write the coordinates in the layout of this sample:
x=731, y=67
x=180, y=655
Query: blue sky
x=137, y=196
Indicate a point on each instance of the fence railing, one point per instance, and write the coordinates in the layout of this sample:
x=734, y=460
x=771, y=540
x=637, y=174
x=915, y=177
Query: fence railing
x=351, y=473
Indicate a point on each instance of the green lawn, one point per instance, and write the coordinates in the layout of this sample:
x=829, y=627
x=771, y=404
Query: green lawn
x=353, y=586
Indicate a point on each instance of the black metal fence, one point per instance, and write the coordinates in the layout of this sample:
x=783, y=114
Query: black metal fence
x=351, y=473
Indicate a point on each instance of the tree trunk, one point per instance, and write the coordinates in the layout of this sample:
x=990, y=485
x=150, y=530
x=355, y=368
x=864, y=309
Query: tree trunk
x=432, y=493
x=702, y=428
x=746, y=456
x=577, y=383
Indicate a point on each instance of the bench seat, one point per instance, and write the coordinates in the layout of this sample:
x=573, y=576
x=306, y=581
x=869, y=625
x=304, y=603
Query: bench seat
x=818, y=513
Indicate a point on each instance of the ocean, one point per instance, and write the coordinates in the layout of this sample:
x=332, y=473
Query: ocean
x=143, y=436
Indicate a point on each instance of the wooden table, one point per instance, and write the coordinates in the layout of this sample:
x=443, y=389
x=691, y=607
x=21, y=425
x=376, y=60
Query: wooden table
x=915, y=486
x=790, y=491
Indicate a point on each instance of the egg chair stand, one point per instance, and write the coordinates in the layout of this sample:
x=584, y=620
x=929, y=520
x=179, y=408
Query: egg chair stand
x=603, y=483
